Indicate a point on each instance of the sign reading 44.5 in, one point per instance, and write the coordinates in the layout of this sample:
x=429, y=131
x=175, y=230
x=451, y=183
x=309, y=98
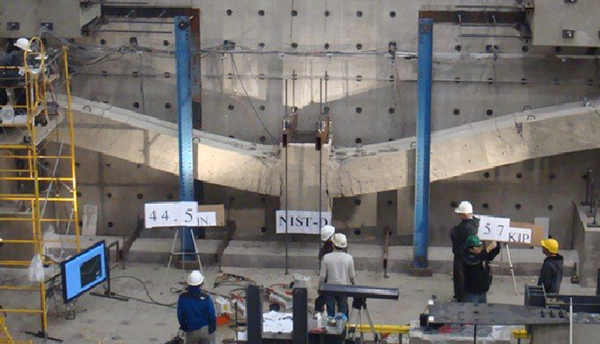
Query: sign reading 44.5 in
x=177, y=214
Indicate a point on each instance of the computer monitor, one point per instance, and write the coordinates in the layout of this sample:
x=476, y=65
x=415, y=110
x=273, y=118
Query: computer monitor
x=84, y=271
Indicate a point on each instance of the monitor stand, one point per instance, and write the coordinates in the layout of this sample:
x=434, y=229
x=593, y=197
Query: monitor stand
x=44, y=335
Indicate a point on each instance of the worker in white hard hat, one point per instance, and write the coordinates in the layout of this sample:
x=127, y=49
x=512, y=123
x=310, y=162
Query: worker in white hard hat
x=196, y=312
x=23, y=44
x=327, y=233
x=459, y=234
x=9, y=75
x=337, y=268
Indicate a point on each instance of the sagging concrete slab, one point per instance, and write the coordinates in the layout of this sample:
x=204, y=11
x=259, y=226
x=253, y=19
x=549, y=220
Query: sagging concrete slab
x=347, y=171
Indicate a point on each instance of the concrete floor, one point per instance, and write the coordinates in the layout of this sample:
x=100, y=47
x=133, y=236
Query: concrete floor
x=102, y=320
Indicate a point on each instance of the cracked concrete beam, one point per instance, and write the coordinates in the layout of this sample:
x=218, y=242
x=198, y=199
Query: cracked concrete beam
x=223, y=161
x=348, y=171
x=469, y=148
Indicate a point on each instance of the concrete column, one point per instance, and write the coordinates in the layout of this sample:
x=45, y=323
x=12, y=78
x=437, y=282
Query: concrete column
x=406, y=206
x=303, y=178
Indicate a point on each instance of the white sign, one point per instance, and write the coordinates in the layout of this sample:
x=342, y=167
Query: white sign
x=177, y=214
x=499, y=229
x=493, y=228
x=206, y=219
x=520, y=235
x=301, y=222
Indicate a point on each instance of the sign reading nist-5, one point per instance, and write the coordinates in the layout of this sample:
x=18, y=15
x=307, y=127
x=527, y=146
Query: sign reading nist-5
x=301, y=222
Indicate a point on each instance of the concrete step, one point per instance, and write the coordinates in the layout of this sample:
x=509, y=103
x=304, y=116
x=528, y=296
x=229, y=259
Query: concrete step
x=249, y=254
x=263, y=254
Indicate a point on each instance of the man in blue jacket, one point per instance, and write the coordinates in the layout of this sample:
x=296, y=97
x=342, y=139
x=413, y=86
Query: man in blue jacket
x=196, y=312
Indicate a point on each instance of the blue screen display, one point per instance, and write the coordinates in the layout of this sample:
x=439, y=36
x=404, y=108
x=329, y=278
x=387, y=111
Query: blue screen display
x=84, y=271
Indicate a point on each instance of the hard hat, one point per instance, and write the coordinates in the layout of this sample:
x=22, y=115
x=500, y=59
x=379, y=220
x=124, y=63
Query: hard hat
x=472, y=241
x=464, y=208
x=23, y=44
x=326, y=232
x=195, y=278
x=339, y=240
x=551, y=245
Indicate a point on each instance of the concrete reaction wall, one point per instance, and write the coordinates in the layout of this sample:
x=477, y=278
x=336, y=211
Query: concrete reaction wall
x=536, y=188
x=545, y=187
x=586, y=237
x=371, y=98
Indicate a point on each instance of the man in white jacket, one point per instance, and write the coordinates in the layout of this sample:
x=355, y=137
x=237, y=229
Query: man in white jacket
x=337, y=268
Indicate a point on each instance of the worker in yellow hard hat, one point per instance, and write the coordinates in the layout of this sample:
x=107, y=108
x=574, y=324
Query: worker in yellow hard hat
x=552, y=270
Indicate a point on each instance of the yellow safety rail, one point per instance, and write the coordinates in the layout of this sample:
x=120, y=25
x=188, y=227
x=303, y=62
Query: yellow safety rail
x=5, y=336
x=29, y=182
x=364, y=328
x=521, y=334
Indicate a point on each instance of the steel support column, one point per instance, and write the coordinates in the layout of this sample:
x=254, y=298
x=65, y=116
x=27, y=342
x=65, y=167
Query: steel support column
x=254, y=314
x=185, y=122
x=425, y=65
x=300, y=315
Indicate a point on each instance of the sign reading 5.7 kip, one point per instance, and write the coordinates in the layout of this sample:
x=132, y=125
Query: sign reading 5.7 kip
x=177, y=214
x=501, y=229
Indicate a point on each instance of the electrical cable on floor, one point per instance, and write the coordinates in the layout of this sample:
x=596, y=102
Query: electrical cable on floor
x=173, y=290
x=152, y=300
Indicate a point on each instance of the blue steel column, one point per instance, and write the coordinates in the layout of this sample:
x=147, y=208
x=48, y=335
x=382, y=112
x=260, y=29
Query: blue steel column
x=185, y=122
x=425, y=63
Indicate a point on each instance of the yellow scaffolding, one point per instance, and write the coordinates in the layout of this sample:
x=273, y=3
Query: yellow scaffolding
x=31, y=185
x=5, y=336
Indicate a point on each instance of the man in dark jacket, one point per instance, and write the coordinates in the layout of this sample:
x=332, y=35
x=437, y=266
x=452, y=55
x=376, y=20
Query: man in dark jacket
x=476, y=266
x=9, y=74
x=196, y=312
x=458, y=235
x=552, y=270
x=326, y=233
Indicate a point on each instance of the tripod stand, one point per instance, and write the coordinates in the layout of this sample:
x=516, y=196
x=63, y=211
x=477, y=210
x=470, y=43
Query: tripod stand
x=360, y=305
x=182, y=254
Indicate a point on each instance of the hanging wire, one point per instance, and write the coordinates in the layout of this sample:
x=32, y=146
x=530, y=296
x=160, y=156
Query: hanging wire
x=235, y=70
x=320, y=151
x=287, y=143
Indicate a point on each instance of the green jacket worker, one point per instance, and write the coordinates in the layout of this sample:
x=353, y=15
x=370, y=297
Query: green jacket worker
x=552, y=269
x=476, y=267
x=196, y=312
